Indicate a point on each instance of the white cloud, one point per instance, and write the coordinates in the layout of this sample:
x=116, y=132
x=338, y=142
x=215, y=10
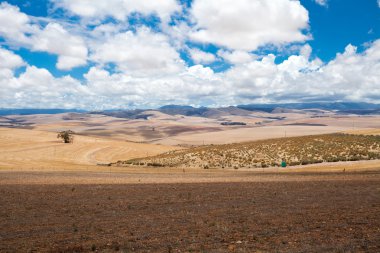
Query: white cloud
x=322, y=2
x=19, y=30
x=9, y=60
x=38, y=88
x=200, y=56
x=119, y=9
x=237, y=56
x=14, y=24
x=298, y=79
x=378, y=3
x=306, y=51
x=248, y=24
x=140, y=53
x=71, y=49
x=149, y=71
x=118, y=90
x=260, y=80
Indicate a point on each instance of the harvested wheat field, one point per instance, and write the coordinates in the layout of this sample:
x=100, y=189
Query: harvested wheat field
x=288, y=212
x=32, y=149
x=161, y=128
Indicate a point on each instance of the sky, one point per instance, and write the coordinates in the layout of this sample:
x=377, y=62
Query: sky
x=126, y=54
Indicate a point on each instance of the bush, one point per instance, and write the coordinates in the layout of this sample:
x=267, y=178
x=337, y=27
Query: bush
x=155, y=164
x=294, y=163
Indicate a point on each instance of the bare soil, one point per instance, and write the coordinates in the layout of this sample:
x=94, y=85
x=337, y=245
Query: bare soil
x=286, y=212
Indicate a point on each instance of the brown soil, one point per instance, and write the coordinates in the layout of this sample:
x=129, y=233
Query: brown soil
x=294, y=212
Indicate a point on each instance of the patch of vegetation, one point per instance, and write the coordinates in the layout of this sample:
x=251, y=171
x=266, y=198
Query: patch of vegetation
x=265, y=153
x=233, y=124
x=66, y=136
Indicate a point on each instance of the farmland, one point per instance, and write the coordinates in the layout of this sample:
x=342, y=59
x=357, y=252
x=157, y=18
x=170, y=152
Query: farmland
x=160, y=197
x=243, y=212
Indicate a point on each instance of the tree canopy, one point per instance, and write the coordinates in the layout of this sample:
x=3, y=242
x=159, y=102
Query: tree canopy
x=66, y=136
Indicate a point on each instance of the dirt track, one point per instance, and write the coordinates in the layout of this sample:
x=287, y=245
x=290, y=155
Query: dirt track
x=303, y=212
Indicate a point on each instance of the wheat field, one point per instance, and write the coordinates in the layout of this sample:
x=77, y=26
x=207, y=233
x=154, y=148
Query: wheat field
x=22, y=148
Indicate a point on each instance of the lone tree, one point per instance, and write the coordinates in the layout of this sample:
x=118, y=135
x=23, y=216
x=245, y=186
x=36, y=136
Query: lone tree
x=66, y=136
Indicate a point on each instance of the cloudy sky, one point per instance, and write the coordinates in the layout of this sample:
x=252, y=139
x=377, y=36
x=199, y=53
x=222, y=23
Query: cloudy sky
x=96, y=54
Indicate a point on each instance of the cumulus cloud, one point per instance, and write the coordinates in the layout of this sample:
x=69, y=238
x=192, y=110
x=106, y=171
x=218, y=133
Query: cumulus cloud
x=71, y=49
x=120, y=90
x=118, y=9
x=136, y=66
x=298, y=78
x=14, y=25
x=237, y=56
x=143, y=52
x=248, y=24
x=9, y=60
x=200, y=56
x=37, y=87
x=19, y=29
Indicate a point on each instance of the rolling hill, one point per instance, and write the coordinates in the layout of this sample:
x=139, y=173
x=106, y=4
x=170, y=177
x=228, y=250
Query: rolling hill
x=260, y=154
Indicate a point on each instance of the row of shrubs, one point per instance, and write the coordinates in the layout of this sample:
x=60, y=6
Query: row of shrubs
x=137, y=163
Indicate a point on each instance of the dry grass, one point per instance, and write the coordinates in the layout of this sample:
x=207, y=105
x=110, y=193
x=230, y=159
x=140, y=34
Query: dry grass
x=242, y=134
x=371, y=131
x=261, y=154
x=20, y=148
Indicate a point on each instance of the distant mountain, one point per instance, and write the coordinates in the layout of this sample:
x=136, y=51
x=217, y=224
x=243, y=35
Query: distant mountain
x=183, y=110
x=176, y=107
x=5, y=112
x=202, y=111
x=232, y=110
x=240, y=110
x=127, y=114
x=338, y=106
x=361, y=111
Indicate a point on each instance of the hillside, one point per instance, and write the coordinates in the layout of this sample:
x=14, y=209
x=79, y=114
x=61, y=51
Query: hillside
x=32, y=149
x=259, y=154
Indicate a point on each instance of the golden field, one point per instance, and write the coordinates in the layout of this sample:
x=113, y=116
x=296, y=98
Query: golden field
x=30, y=142
x=34, y=149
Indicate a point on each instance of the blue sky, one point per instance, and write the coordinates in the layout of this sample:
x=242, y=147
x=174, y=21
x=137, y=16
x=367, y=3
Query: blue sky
x=90, y=54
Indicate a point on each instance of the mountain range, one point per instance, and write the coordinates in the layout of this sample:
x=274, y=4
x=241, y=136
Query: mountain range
x=186, y=110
